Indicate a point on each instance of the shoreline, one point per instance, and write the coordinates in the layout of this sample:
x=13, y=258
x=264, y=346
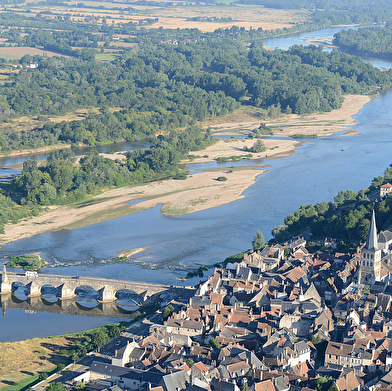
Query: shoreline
x=201, y=190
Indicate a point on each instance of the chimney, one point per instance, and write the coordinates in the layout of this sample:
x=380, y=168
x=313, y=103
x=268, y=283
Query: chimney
x=115, y=353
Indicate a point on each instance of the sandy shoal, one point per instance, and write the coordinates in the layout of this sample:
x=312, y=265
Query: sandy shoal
x=323, y=124
x=235, y=147
x=199, y=191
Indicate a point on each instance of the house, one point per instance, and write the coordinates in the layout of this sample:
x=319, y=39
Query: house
x=122, y=355
x=348, y=382
x=185, y=327
x=347, y=355
x=385, y=190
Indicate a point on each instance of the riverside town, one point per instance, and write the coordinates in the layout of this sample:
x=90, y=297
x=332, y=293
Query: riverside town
x=195, y=195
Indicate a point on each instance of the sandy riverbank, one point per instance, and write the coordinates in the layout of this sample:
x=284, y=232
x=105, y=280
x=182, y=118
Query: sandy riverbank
x=323, y=124
x=199, y=191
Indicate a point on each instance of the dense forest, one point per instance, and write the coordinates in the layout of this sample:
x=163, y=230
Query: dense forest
x=165, y=87
x=366, y=40
x=346, y=218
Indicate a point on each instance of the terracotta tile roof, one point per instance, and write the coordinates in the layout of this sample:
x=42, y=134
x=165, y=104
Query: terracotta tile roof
x=347, y=382
x=201, y=367
x=386, y=186
x=266, y=385
x=295, y=274
x=301, y=369
x=378, y=334
x=184, y=367
x=216, y=298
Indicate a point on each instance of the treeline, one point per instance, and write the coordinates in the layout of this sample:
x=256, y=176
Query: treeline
x=367, y=40
x=61, y=180
x=346, y=218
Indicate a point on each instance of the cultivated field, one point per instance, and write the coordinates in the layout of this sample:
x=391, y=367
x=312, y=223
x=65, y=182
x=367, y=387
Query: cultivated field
x=19, y=52
x=175, y=15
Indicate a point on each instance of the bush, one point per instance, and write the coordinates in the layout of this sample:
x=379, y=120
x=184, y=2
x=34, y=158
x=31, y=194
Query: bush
x=221, y=179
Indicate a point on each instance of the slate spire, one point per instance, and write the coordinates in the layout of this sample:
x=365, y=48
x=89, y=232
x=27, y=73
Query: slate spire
x=371, y=241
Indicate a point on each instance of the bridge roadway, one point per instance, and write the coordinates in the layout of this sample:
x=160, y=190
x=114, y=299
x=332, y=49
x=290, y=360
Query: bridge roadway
x=67, y=285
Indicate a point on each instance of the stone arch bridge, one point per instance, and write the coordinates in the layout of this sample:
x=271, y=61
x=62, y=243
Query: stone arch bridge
x=66, y=285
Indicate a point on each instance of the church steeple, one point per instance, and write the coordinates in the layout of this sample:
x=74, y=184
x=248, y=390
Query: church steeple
x=370, y=267
x=371, y=241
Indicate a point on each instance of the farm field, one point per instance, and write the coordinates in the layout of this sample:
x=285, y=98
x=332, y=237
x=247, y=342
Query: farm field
x=177, y=16
x=18, y=52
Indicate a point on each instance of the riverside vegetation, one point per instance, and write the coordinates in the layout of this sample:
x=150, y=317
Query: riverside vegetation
x=157, y=92
x=27, y=262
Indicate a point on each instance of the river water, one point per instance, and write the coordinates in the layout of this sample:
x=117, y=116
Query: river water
x=315, y=172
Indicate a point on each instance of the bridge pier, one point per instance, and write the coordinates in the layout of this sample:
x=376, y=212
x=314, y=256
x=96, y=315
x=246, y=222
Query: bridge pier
x=5, y=299
x=107, y=294
x=66, y=292
x=5, y=284
x=33, y=289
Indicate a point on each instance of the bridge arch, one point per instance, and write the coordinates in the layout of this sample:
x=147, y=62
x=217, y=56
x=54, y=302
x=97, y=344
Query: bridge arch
x=86, y=291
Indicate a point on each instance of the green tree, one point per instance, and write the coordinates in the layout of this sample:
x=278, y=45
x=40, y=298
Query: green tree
x=100, y=338
x=258, y=147
x=42, y=376
x=323, y=383
x=189, y=362
x=258, y=241
x=56, y=386
x=244, y=387
x=167, y=311
x=365, y=290
x=214, y=343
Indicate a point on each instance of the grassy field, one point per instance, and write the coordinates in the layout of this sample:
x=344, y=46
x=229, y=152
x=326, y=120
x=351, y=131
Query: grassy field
x=106, y=56
x=21, y=361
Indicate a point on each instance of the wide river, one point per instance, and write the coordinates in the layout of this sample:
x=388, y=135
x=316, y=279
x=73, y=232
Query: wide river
x=314, y=173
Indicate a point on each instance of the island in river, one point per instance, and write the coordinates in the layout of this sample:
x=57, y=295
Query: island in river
x=200, y=190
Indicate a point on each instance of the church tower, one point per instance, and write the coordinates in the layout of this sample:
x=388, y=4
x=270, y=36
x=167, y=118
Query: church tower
x=370, y=268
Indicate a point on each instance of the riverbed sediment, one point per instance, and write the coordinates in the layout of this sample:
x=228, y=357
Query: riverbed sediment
x=201, y=190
